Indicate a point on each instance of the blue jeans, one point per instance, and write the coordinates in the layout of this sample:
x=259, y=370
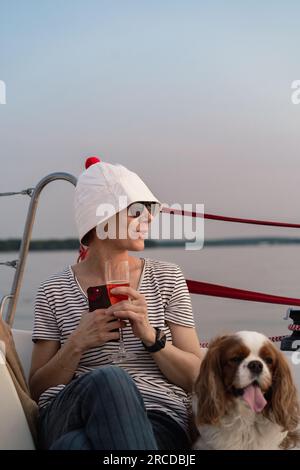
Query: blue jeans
x=104, y=410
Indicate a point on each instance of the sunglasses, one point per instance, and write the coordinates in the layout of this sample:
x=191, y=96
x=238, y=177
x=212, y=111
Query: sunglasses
x=136, y=209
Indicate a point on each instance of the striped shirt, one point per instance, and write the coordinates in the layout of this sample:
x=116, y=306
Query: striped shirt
x=60, y=302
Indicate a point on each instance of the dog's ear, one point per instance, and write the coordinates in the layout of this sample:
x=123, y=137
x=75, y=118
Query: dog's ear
x=284, y=407
x=209, y=387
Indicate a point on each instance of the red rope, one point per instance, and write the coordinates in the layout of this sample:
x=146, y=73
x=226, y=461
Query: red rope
x=215, y=290
x=229, y=219
x=294, y=327
x=205, y=288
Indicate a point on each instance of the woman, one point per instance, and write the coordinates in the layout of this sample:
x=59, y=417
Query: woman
x=86, y=402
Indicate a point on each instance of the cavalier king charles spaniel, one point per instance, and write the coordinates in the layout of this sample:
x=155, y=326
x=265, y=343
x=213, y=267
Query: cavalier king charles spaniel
x=245, y=397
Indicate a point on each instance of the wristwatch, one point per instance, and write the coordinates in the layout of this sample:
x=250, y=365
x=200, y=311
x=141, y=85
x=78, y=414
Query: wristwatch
x=160, y=341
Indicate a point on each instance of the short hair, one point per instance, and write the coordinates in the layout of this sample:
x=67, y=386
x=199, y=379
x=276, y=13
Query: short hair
x=88, y=237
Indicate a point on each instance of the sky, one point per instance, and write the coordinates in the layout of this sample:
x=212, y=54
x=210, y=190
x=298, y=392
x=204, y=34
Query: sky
x=193, y=96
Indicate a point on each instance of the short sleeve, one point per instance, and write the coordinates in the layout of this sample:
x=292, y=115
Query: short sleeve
x=45, y=324
x=179, y=307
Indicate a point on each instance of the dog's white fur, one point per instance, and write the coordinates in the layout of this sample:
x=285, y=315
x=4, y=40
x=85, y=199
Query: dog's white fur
x=240, y=430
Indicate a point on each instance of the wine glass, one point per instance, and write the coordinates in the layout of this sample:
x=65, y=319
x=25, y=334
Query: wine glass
x=117, y=275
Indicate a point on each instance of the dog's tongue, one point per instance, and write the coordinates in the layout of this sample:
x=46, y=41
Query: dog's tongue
x=254, y=397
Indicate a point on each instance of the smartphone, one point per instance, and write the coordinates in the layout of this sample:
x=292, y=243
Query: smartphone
x=99, y=298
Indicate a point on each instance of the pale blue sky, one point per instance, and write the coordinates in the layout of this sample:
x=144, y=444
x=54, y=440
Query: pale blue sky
x=193, y=96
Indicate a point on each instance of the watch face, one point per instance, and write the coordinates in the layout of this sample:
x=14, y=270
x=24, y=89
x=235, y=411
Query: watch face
x=161, y=334
x=162, y=338
x=159, y=342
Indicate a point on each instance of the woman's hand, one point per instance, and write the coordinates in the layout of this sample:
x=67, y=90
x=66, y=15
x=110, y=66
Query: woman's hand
x=135, y=310
x=95, y=328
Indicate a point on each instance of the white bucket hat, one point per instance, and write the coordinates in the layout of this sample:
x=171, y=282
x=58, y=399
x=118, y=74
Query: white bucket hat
x=105, y=183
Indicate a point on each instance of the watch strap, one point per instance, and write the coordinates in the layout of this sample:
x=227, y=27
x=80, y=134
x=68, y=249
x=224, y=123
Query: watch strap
x=160, y=341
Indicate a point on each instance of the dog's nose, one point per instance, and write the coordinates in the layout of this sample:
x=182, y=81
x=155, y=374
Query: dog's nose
x=255, y=367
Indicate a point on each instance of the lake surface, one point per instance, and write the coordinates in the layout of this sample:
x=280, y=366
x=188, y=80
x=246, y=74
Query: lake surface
x=264, y=268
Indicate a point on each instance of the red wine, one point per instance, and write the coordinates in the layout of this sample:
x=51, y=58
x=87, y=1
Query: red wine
x=115, y=298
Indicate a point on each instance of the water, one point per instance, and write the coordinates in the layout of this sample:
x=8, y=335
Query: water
x=265, y=268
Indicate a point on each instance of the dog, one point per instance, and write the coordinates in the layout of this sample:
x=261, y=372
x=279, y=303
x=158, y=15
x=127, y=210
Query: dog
x=245, y=396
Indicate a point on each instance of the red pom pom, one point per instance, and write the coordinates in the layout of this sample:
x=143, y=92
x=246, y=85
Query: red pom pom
x=91, y=161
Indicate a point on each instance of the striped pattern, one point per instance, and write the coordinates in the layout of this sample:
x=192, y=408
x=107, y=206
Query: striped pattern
x=60, y=302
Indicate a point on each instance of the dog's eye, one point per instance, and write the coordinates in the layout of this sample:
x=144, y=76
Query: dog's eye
x=268, y=360
x=236, y=359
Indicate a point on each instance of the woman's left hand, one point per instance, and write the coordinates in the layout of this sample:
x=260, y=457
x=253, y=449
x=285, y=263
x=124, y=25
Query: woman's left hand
x=135, y=310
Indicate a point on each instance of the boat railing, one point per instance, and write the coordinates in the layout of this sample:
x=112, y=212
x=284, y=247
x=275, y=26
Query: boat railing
x=19, y=265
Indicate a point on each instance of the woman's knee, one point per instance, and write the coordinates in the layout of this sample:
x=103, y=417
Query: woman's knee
x=113, y=382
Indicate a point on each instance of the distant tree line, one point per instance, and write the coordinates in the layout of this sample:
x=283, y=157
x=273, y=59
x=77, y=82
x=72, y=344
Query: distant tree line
x=13, y=244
